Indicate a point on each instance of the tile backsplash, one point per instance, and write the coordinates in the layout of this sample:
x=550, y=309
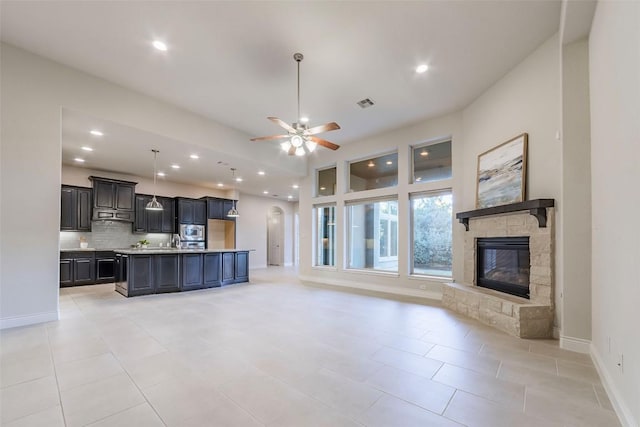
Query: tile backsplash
x=110, y=235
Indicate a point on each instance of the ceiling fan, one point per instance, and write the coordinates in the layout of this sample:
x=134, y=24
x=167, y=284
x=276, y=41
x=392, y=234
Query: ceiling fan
x=300, y=139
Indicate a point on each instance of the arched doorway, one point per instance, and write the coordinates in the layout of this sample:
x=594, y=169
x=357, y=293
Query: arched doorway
x=275, y=236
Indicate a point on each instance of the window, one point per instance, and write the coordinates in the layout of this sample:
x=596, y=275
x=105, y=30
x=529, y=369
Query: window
x=432, y=162
x=431, y=227
x=376, y=172
x=373, y=235
x=326, y=182
x=326, y=235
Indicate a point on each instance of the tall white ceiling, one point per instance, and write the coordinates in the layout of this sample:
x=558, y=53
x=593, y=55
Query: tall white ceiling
x=232, y=61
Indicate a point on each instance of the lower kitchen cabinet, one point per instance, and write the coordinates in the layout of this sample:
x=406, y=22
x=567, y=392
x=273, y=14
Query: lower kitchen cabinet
x=212, y=269
x=167, y=273
x=228, y=267
x=192, y=274
x=77, y=268
x=141, y=275
x=242, y=266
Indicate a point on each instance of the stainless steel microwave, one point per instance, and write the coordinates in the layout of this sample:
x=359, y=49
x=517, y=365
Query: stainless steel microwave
x=191, y=232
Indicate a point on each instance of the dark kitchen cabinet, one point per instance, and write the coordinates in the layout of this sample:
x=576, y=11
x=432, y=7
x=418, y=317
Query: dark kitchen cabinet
x=228, y=268
x=141, y=276
x=218, y=208
x=77, y=268
x=113, y=199
x=147, y=221
x=66, y=272
x=212, y=269
x=75, y=208
x=191, y=211
x=242, y=266
x=167, y=269
x=192, y=274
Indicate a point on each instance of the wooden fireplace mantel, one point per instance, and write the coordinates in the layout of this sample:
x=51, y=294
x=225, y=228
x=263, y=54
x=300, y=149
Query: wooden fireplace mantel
x=536, y=207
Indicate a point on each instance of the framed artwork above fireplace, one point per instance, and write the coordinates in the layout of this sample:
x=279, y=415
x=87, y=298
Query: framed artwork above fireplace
x=502, y=173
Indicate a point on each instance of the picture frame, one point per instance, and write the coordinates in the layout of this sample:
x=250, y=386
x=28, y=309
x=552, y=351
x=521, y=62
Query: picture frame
x=502, y=172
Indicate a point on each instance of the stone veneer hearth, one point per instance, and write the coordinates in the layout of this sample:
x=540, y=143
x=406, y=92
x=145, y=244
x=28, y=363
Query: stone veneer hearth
x=525, y=318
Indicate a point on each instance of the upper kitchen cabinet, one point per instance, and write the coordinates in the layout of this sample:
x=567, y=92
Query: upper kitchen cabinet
x=147, y=221
x=75, y=208
x=218, y=208
x=113, y=199
x=191, y=211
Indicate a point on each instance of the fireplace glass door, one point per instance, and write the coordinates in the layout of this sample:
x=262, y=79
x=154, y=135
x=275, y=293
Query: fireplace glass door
x=503, y=264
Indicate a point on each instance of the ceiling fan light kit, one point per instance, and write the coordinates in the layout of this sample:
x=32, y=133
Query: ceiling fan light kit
x=300, y=139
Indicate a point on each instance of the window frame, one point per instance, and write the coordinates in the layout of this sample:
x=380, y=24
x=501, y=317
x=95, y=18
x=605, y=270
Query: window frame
x=412, y=166
x=316, y=191
x=371, y=157
x=316, y=243
x=348, y=236
x=411, y=253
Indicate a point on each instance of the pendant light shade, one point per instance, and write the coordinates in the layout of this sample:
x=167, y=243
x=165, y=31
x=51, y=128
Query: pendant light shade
x=154, y=204
x=233, y=212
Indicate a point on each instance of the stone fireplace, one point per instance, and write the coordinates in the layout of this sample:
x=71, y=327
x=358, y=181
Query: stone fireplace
x=530, y=222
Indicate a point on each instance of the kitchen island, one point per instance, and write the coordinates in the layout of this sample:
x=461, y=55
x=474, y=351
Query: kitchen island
x=152, y=271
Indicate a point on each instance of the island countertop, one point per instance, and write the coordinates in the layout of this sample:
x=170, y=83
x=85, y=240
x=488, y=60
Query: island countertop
x=159, y=251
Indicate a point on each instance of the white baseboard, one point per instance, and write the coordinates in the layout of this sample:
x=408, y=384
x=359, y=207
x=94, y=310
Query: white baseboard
x=13, y=322
x=575, y=344
x=622, y=410
x=432, y=295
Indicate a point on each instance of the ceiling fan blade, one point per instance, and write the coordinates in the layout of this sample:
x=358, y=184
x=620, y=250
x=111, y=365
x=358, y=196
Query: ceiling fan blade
x=324, y=143
x=267, y=138
x=282, y=124
x=322, y=128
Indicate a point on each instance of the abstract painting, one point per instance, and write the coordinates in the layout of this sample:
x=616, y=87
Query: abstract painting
x=502, y=173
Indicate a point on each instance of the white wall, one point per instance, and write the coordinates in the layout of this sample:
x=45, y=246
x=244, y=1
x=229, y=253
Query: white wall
x=575, y=214
x=34, y=91
x=614, y=59
x=251, y=228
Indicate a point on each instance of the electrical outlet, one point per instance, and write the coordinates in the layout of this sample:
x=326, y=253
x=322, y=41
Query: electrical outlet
x=620, y=362
x=423, y=287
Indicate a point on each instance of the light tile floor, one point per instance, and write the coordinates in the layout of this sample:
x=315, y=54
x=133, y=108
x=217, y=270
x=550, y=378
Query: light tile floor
x=279, y=353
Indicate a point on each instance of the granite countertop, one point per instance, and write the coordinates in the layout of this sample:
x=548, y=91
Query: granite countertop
x=157, y=251
x=83, y=250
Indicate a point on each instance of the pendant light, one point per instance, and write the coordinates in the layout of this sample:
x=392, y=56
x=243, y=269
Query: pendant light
x=154, y=204
x=233, y=212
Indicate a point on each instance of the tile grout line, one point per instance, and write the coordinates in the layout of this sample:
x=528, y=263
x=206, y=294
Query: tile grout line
x=55, y=374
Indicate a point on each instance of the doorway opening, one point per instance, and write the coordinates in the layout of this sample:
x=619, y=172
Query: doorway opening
x=275, y=236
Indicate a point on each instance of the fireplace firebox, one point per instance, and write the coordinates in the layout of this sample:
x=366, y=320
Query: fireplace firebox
x=503, y=264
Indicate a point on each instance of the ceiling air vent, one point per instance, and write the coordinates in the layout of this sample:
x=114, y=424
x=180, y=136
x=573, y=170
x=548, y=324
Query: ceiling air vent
x=365, y=103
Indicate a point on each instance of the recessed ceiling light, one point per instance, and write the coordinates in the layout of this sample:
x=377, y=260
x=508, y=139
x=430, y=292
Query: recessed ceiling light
x=389, y=162
x=79, y=160
x=265, y=192
x=418, y=179
x=304, y=119
x=323, y=188
x=194, y=156
x=162, y=174
x=238, y=179
x=422, y=68
x=295, y=186
x=371, y=164
x=96, y=133
x=260, y=172
x=160, y=45
x=424, y=153
x=87, y=148
x=175, y=166
x=220, y=184
x=289, y=196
